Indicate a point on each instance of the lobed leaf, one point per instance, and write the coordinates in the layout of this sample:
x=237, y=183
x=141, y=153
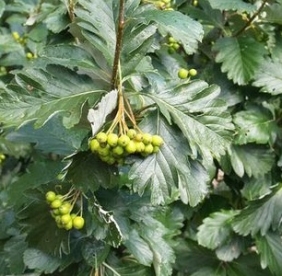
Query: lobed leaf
x=255, y=125
x=270, y=249
x=183, y=28
x=251, y=160
x=237, y=5
x=197, y=110
x=268, y=77
x=64, y=93
x=170, y=168
x=215, y=229
x=36, y=259
x=240, y=57
x=260, y=215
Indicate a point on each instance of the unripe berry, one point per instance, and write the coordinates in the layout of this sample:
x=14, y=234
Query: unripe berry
x=183, y=73
x=68, y=226
x=29, y=55
x=139, y=146
x=193, y=72
x=147, y=138
x=102, y=137
x=50, y=196
x=104, y=151
x=94, y=145
x=16, y=35
x=123, y=140
x=78, y=222
x=65, y=208
x=56, y=203
x=118, y=150
x=130, y=147
x=131, y=133
x=157, y=140
x=65, y=219
x=148, y=149
x=139, y=137
x=112, y=139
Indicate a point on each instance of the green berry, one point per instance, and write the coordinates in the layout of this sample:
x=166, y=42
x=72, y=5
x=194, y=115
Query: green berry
x=193, y=72
x=50, y=196
x=112, y=139
x=29, y=55
x=131, y=133
x=78, y=222
x=148, y=149
x=102, y=137
x=56, y=203
x=139, y=146
x=65, y=219
x=123, y=140
x=183, y=73
x=139, y=137
x=104, y=151
x=147, y=138
x=68, y=226
x=94, y=145
x=172, y=40
x=157, y=140
x=65, y=208
x=156, y=149
x=130, y=147
x=118, y=150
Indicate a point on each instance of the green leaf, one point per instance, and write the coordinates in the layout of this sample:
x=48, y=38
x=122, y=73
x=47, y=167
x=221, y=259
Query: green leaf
x=216, y=229
x=103, y=224
x=139, y=248
x=255, y=188
x=270, y=249
x=163, y=255
x=94, y=252
x=52, y=137
x=57, y=20
x=65, y=93
x=88, y=172
x=41, y=229
x=269, y=78
x=260, y=215
x=169, y=168
x=240, y=57
x=2, y=7
x=39, y=173
x=97, y=116
x=231, y=249
x=74, y=57
x=199, y=112
x=255, y=125
x=36, y=259
x=273, y=12
x=14, y=249
x=183, y=28
x=251, y=159
x=237, y=5
x=96, y=19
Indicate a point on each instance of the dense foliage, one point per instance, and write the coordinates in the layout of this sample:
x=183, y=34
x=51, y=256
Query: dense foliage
x=203, y=197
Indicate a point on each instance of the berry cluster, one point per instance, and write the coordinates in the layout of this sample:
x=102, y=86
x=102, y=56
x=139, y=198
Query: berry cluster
x=172, y=44
x=112, y=148
x=185, y=73
x=22, y=41
x=160, y=4
x=61, y=209
x=2, y=157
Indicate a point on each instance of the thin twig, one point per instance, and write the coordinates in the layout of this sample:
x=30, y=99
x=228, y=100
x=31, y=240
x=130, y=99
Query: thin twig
x=251, y=19
x=118, y=44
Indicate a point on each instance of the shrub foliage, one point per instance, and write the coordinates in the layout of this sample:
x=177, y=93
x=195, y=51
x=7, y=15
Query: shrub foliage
x=203, y=198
